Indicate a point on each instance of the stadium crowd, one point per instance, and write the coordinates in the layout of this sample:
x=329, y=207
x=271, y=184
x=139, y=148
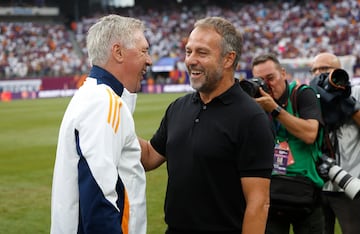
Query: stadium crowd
x=291, y=29
x=33, y=49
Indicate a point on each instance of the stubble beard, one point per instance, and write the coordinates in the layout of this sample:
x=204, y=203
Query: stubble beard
x=208, y=83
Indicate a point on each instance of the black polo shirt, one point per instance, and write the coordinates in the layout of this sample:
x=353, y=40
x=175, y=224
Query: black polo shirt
x=209, y=147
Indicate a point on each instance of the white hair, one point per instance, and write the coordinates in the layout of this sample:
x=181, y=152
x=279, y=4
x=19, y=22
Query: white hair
x=108, y=30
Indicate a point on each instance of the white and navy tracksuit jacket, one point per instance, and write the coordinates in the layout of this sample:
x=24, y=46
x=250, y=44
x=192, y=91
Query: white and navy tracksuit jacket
x=99, y=182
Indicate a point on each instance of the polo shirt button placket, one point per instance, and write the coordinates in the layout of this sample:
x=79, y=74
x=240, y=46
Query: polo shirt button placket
x=197, y=120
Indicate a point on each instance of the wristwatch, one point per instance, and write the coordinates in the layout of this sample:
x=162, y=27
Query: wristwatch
x=276, y=112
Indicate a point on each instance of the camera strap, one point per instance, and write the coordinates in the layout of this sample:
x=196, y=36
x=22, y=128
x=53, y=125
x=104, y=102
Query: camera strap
x=328, y=145
x=293, y=96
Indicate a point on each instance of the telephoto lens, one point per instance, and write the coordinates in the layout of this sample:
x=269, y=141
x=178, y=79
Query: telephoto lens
x=344, y=180
x=339, y=79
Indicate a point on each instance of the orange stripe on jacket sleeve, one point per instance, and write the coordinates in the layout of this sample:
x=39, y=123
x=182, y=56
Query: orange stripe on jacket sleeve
x=111, y=104
x=116, y=113
x=114, y=110
x=118, y=119
x=126, y=215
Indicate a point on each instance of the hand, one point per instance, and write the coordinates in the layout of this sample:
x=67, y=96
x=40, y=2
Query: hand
x=349, y=106
x=266, y=101
x=324, y=167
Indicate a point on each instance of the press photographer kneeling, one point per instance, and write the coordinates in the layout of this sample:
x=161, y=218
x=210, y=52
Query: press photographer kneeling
x=297, y=121
x=341, y=162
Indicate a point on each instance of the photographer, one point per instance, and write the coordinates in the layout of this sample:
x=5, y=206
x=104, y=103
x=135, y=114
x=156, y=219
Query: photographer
x=294, y=175
x=345, y=139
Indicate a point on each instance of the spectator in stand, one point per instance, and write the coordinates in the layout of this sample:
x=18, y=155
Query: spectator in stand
x=36, y=49
x=345, y=140
x=218, y=176
x=299, y=29
x=99, y=182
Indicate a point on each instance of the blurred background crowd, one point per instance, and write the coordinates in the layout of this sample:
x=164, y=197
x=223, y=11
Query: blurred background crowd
x=291, y=29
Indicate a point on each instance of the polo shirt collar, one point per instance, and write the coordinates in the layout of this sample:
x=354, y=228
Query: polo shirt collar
x=225, y=98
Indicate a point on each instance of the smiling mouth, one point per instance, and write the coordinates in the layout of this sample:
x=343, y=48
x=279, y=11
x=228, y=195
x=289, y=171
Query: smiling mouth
x=196, y=73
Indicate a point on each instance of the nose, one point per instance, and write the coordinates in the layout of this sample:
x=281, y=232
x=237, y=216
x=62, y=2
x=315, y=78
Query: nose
x=148, y=60
x=190, y=59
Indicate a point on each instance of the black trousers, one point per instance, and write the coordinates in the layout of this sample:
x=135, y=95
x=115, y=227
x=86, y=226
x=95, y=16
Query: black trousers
x=347, y=211
x=280, y=222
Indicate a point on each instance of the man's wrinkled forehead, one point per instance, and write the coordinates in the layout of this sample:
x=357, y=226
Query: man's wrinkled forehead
x=203, y=37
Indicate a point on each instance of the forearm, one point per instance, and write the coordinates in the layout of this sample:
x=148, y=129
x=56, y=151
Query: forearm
x=306, y=130
x=150, y=159
x=255, y=219
x=256, y=192
x=145, y=154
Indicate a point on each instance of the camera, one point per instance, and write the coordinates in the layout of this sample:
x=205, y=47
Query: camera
x=329, y=169
x=333, y=84
x=334, y=90
x=251, y=86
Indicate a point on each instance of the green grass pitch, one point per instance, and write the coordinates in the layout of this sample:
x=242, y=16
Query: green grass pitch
x=28, y=138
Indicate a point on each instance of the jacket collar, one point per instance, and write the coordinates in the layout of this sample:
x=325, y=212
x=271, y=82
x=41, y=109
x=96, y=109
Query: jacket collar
x=104, y=77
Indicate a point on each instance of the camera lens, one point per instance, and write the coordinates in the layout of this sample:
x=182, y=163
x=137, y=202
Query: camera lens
x=251, y=86
x=348, y=183
x=339, y=78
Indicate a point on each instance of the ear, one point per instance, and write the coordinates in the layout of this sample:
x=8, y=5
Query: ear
x=283, y=73
x=229, y=59
x=117, y=52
